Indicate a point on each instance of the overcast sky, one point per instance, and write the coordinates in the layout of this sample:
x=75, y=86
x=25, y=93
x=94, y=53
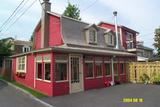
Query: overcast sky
x=140, y=15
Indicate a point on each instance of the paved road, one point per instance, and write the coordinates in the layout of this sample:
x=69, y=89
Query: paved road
x=110, y=97
x=11, y=97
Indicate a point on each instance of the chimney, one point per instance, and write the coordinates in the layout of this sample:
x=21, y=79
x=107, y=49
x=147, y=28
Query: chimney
x=46, y=6
x=116, y=29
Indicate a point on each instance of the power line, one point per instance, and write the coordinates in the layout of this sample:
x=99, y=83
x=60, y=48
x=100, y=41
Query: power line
x=18, y=10
x=4, y=23
x=89, y=6
x=20, y=15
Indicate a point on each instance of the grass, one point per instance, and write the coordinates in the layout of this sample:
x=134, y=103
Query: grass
x=31, y=91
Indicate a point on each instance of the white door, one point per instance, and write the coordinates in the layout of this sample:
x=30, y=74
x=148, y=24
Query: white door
x=76, y=73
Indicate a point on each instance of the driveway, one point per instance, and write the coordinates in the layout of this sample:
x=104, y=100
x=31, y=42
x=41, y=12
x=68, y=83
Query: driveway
x=11, y=97
x=111, y=97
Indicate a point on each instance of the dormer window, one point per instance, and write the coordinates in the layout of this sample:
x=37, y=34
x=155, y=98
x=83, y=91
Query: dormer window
x=92, y=36
x=26, y=49
x=110, y=39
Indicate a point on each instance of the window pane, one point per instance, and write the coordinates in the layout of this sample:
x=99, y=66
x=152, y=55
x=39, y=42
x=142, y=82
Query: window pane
x=107, y=69
x=39, y=70
x=115, y=68
x=61, y=71
x=122, y=65
x=89, y=69
x=92, y=36
x=98, y=69
x=47, y=71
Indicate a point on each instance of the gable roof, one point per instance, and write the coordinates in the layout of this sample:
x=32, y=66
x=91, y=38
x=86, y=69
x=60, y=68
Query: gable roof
x=124, y=27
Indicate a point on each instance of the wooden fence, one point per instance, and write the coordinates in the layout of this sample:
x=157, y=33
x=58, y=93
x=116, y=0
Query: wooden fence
x=137, y=70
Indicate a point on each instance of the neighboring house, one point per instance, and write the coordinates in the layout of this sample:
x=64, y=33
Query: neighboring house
x=70, y=56
x=20, y=46
x=144, y=53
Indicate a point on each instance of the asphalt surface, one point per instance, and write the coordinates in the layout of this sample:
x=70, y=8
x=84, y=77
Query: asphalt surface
x=11, y=97
x=111, y=97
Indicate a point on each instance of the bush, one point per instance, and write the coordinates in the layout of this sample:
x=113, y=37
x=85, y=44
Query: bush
x=156, y=80
x=145, y=78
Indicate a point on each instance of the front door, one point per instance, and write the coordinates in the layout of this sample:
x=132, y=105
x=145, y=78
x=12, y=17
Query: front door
x=76, y=73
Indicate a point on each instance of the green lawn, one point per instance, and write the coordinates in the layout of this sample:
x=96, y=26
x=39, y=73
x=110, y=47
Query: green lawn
x=31, y=91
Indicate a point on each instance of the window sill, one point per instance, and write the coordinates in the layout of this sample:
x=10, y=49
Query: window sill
x=61, y=81
x=47, y=81
x=122, y=74
x=38, y=79
x=99, y=76
x=108, y=75
x=89, y=77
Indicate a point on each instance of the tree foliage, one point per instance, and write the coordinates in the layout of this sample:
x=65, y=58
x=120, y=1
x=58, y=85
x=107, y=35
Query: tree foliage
x=5, y=47
x=157, y=40
x=31, y=38
x=72, y=11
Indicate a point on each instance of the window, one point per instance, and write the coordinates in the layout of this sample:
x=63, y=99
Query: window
x=61, y=67
x=47, y=69
x=110, y=39
x=98, y=67
x=21, y=64
x=129, y=40
x=129, y=44
x=107, y=69
x=122, y=67
x=115, y=66
x=89, y=66
x=92, y=36
x=26, y=49
x=39, y=70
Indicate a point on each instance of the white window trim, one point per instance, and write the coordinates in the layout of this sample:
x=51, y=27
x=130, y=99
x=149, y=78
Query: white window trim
x=99, y=62
x=92, y=71
x=108, y=62
x=17, y=63
x=95, y=36
x=88, y=36
x=37, y=72
x=47, y=62
x=62, y=61
x=27, y=47
x=123, y=68
x=107, y=39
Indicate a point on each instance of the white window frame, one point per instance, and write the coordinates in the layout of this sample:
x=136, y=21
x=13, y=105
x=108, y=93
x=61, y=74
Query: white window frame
x=122, y=62
x=26, y=47
x=108, y=41
x=99, y=60
x=88, y=36
x=47, y=62
x=88, y=61
x=38, y=60
x=62, y=61
x=47, y=59
x=108, y=62
x=17, y=64
x=129, y=40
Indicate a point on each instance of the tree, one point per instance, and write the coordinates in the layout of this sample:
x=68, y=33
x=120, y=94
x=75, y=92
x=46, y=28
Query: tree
x=5, y=47
x=72, y=11
x=31, y=38
x=157, y=40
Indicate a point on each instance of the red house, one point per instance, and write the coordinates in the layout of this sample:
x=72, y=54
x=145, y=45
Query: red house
x=71, y=56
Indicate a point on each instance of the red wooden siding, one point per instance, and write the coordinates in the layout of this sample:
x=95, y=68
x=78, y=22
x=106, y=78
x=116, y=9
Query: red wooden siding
x=111, y=26
x=37, y=38
x=55, y=37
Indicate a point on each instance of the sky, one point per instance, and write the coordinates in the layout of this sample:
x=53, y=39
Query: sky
x=140, y=15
